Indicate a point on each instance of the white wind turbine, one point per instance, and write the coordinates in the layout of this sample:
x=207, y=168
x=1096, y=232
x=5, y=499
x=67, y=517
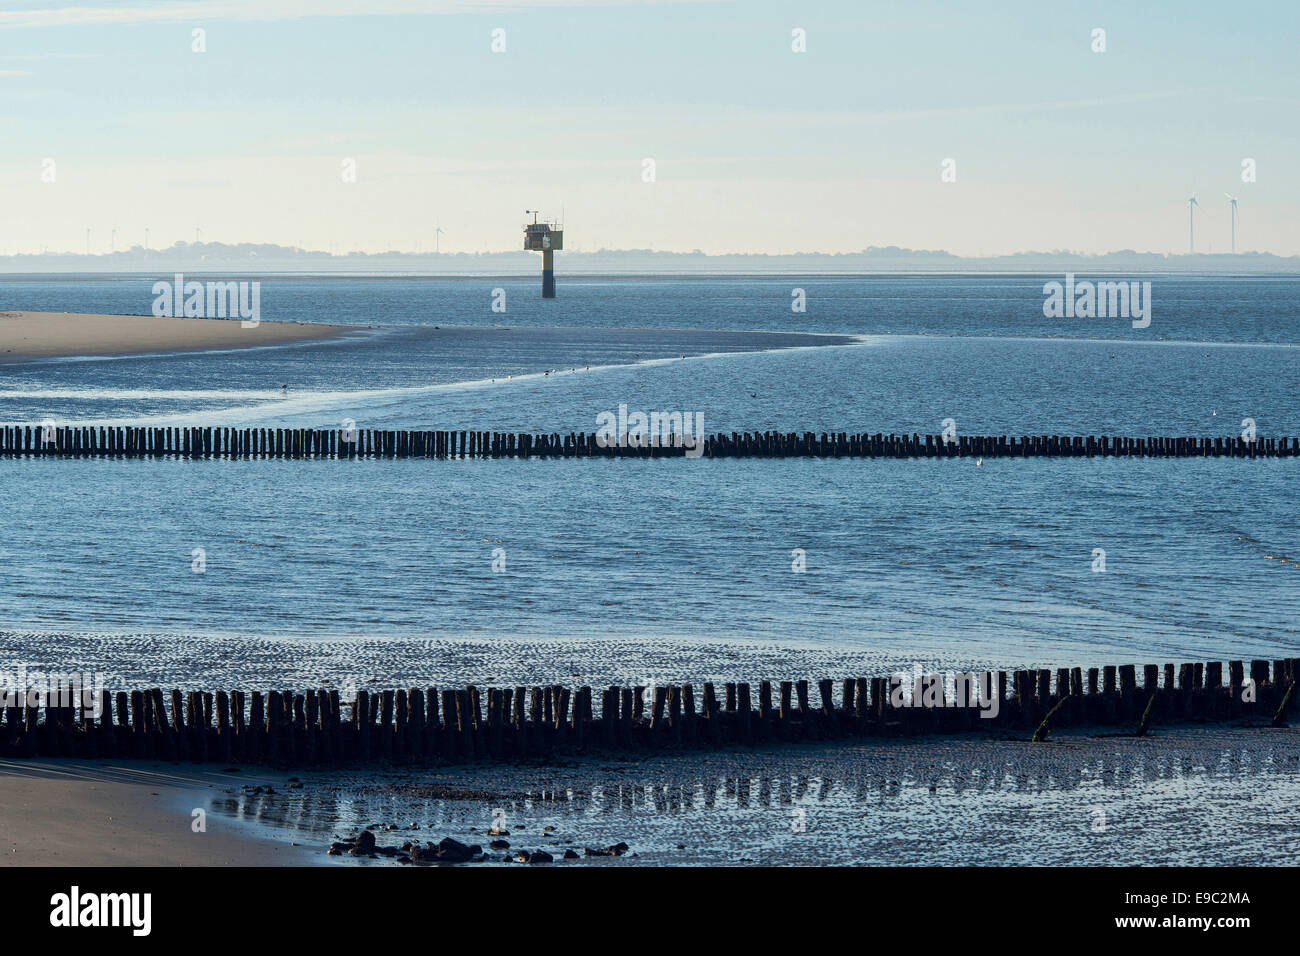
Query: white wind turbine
x=437, y=236
x=1191, y=223
x=1232, y=201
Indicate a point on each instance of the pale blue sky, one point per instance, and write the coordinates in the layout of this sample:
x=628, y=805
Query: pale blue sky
x=757, y=148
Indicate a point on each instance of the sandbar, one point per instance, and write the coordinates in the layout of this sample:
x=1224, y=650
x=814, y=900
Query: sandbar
x=40, y=335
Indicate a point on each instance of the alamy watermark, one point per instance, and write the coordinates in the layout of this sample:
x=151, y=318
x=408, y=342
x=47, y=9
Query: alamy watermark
x=651, y=430
x=38, y=688
x=1101, y=300
x=209, y=300
x=918, y=689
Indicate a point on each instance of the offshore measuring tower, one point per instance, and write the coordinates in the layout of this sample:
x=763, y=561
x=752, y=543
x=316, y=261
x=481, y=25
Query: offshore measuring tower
x=544, y=237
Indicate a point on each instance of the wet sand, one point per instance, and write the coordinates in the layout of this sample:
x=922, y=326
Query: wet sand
x=100, y=813
x=36, y=335
x=1183, y=796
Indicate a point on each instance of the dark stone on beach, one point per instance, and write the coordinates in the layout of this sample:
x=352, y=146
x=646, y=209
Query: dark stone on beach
x=541, y=856
x=523, y=856
x=453, y=851
x=338, y=849
x=423, y=854
x=500, y=844
x=407, y=845
x=570, y=855
x=365, y=841
x=618, y=849
x=357, y=851
x=387, y=850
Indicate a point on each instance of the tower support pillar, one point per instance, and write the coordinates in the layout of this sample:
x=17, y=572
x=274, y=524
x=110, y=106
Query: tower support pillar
x=548, y=274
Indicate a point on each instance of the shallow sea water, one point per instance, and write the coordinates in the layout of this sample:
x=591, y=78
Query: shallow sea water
x=1182, y=797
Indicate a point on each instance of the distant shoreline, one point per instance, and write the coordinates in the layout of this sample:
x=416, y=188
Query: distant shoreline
x=25, y=336
x=773, y=274
x=265, y=258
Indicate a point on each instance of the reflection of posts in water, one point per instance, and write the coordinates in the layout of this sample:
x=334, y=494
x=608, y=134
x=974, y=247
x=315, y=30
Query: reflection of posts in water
x=740, y=781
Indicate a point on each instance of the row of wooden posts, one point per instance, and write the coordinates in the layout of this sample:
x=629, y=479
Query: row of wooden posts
x=244, y=443
x=316, y=728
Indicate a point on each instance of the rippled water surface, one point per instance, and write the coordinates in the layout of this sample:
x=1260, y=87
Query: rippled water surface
x=317, y=570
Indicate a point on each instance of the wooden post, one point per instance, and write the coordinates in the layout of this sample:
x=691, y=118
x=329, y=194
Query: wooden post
x=138, y=730
x=1127, y=692
x=496, y=722
x=1093, y=700
x=712, y=716
x=256, y=725
x=197, y=727
x=675, y=714
x=690, y=727
x=625, y=718
x=465, y=725
x=223, y=727
x=764, y=709
x=744, y=714
x=449, y=739
x=658, y=730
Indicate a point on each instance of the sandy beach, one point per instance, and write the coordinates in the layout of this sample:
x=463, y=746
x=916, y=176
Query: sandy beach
x=35, y=335
x=96, y=813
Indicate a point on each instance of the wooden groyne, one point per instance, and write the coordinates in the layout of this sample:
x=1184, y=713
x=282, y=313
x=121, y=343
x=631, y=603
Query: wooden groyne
x=451, y=725
x=286, y=443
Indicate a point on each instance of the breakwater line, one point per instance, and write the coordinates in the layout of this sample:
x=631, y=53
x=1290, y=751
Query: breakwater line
x=455, y=725
x=52, y=441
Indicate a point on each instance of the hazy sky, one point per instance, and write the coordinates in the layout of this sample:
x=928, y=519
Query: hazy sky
x=756, y=147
